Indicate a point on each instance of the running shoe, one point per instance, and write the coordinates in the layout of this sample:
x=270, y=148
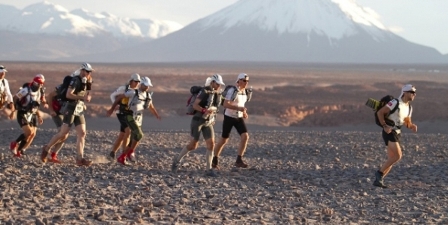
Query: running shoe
x=241, y=164
x=54, y=158
x=83, y=162
x=122, y=160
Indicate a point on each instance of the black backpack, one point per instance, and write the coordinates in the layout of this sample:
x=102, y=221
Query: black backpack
x=194, y=91
x=62, y=88
x=383, y=101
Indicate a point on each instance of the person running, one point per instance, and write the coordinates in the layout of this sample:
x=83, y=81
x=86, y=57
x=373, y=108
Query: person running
x=27, y=100
x=138, y=100
x=6, y=97
x=123, y=137
x=234, y=115
x=73, y=113
x=391, y=132
x=205, y=105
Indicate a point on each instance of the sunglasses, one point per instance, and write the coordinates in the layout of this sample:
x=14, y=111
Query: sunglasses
x=245, y=81
x=412, y=92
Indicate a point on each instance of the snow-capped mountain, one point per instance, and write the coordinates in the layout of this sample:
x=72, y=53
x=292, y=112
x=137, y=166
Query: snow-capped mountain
x=330, y=31
x=46, y=31
x=48, y=18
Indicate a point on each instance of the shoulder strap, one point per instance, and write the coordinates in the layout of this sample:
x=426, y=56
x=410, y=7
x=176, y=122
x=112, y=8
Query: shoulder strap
x=410, y=109
x=3, y=81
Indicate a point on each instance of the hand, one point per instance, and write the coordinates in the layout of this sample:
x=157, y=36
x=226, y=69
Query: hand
x=87, y=98
x=52, y=113
x=413, y=127
x=41, y=121
x=11, y=115
x=46, y=105
x=109, y=112
x=245, y=115
x=387, y=129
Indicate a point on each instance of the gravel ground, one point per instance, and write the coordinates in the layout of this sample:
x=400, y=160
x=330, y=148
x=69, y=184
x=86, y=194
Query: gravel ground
x=295, y=177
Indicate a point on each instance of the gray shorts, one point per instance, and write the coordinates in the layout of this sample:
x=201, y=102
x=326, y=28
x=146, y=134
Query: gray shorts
x=198, y=125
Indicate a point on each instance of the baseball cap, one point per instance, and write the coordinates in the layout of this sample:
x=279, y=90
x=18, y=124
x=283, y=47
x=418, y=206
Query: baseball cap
x=3, y=69
x=87, y=67
x=135, y=77
x=218, y=79
x=242, y=76
x=408, y=87
x=146, y=81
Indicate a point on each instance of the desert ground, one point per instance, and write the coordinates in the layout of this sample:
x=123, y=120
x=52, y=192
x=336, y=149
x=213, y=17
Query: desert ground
x=312, y=153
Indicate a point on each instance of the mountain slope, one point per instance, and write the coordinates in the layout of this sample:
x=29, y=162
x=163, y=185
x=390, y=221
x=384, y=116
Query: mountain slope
x=337, y=31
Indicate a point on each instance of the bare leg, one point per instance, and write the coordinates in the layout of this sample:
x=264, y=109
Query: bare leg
x=61, y=134
x=220, y=146
x=118, y=142
x=394, y=155
x=209, y=155
x=80, y=140
x=243, y=144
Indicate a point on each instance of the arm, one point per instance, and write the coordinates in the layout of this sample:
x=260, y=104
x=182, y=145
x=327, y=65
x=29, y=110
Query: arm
x=70, y=94
x=154, y=111
x=117, y=100
x=382, y=113
x=9, y=97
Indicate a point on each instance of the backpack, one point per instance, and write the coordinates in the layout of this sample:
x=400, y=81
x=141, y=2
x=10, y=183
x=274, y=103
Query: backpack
x=62, y=88
x=194, y=90
x=228, y=87
x=380, y=104
x=20, y=103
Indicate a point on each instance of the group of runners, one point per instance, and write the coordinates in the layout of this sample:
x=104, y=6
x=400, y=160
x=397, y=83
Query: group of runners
x=66, y=104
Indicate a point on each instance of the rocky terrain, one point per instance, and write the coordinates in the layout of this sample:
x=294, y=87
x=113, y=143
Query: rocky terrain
x=294, y=177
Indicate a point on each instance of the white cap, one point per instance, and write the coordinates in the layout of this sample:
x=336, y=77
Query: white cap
x=87, y=67
x=146, y=81
x=3, y=69
x=135, y=77
x=406, y=88
x=218, y=79
x=242, y=76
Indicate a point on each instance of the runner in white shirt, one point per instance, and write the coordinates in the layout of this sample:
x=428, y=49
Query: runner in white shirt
x=392, y=129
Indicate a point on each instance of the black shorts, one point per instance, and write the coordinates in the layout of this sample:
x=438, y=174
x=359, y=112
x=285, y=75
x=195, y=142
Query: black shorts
x=26, y=119
x=72, y=119
x=122, y=120
x=392, y=137
x=229, y=123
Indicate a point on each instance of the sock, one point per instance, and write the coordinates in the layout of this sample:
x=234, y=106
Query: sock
x=209, y=157
x=182, y=154
x=20, y=138
x=239, y=159
x=21, y=145
x=215, y=160
x=53, y=155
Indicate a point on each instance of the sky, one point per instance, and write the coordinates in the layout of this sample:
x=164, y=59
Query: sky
x=420, y=21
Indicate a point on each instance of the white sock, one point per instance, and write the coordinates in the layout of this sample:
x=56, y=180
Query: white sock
x=209, y=157
x=182, y=154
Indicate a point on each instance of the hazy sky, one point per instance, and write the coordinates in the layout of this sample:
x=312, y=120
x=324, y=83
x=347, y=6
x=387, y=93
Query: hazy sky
x=421, y=21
